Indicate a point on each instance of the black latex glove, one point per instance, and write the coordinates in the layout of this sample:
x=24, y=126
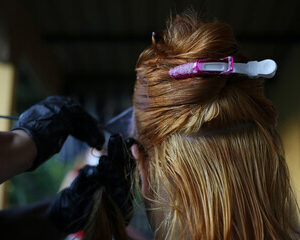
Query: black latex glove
x=52, y=120
x=71, y=207
x=119, y=166
x=69, y=211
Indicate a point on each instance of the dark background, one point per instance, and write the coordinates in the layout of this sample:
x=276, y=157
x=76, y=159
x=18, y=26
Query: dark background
x=88, y=49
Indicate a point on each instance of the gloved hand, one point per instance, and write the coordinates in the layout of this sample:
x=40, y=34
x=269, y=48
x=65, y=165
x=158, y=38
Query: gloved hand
x=52, y=120
x=70, y=208
x=119, y=166
x=69, y=211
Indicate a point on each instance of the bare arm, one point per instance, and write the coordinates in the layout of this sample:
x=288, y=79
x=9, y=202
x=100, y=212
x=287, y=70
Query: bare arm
x=17, y=153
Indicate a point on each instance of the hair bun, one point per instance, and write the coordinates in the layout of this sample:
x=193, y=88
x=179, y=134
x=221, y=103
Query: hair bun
x=166, y=105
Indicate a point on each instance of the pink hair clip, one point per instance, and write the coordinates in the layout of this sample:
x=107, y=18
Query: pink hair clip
x=224, y=66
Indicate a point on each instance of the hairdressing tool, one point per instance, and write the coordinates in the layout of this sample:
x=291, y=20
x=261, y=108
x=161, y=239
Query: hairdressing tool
x=118, y=124
x=224, y=66
x=9, y=117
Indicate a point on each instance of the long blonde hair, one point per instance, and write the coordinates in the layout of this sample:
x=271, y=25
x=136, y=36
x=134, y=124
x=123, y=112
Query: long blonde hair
x=215, y=161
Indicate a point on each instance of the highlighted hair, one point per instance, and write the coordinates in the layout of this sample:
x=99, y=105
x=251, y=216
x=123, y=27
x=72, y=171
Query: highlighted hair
x=215, y=161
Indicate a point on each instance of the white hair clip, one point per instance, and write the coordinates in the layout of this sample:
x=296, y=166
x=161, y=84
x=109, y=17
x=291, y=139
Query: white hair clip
x=224, y=66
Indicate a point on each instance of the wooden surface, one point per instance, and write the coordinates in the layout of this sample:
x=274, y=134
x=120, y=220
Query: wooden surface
x=7, y=92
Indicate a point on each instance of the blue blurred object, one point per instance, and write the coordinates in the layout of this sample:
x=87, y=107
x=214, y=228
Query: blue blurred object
x=71, y=149
x=120, y=124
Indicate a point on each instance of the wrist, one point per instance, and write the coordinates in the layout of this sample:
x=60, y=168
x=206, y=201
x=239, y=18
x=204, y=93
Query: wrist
x=25, y=146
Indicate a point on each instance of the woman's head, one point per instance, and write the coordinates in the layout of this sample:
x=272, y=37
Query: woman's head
x=213, y=164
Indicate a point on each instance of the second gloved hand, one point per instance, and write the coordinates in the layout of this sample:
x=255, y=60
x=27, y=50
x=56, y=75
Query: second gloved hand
x=71, y=207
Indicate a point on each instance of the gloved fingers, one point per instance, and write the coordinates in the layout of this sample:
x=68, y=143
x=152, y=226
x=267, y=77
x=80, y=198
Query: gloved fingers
x=104, y=165
x=113, y=167
x=69, y=210
x=88, y=172
x=117, y=170
x=86, y=128
x=117, y=186
x=79, y=123
x=111, y=175
x=87, y=181
x=117, y=151
x=122, y=162
x=120, y=154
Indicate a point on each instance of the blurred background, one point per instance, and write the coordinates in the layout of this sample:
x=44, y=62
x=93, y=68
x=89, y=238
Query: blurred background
x=88, y=49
